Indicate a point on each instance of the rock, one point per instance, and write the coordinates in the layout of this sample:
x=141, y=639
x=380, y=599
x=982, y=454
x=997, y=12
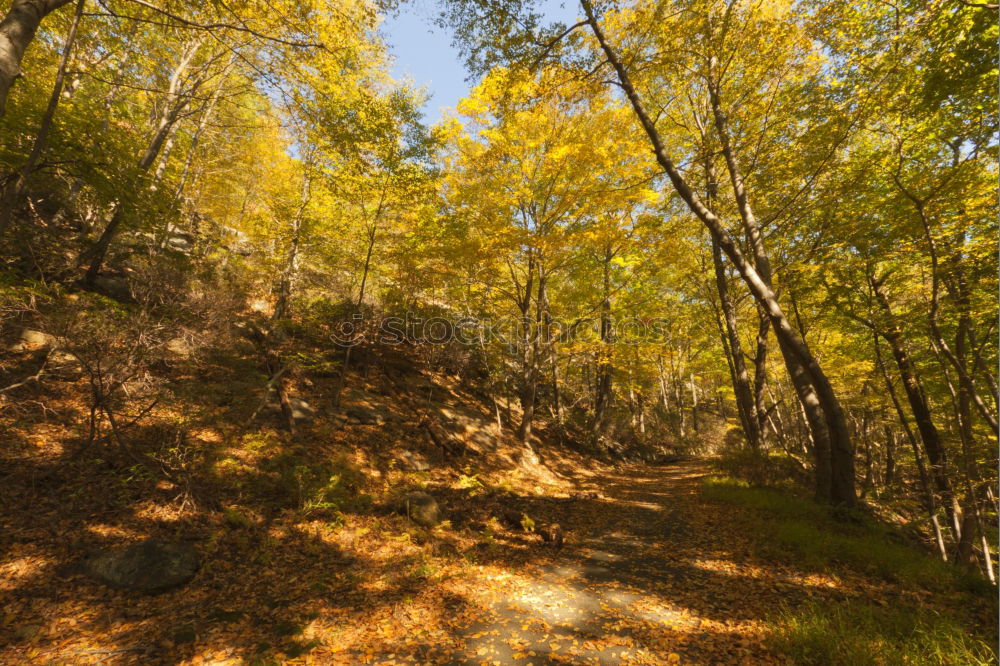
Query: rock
x=422, y=509
x=235, y=241
x=180, y=347
x=64, y=365
x=32, y=340
x=181, y=242
x=60, y=358
x=365, y=416
x=116, y=288
x=370, y=414
x=518, y=520
x=552, y=534
x=113, y=287
x=302, y=411
x=37, y=339
x=147, y=567
x=413, y=462
x=511, y=518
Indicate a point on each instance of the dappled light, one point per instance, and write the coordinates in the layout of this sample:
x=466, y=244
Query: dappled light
x=667, y=336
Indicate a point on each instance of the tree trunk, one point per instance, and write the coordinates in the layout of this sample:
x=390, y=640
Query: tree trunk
x=14, y=191
x=533, y=370
x=372, y=234
x=281, y=306
x=95, y=139
x=695, y=425
x=552, y=356
x=741, y=379
x=829, y=432
x=604, y=368
x=925, y=483
x=525, y=387
x=17, y=29
x=175, y=103
x=745, y=405
x=760, y=375
x=841, y=486
x=206, y=115
x=936, y=335
x=915, y=395
x=890, y=457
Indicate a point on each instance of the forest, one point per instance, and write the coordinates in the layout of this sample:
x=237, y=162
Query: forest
x=674, y=341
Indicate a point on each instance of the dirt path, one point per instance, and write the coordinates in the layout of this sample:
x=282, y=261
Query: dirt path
x=647, y=578
x=650, y=573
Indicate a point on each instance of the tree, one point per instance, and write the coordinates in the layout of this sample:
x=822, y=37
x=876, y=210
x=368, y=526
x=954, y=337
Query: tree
x=17, y=29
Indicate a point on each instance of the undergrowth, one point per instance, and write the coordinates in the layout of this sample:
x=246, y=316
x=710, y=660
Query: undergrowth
x=821, y=538
x=858, y=633
x=799, y=531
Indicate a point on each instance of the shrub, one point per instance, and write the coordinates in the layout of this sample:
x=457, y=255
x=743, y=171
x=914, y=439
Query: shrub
x=315, y=486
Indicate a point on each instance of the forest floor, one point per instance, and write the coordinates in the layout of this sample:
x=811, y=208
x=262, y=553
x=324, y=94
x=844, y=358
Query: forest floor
x=647, y=575
x=651, y=572
x=306, y=558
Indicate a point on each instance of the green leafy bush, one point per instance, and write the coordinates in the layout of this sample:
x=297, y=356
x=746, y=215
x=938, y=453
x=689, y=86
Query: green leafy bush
x=314, y=486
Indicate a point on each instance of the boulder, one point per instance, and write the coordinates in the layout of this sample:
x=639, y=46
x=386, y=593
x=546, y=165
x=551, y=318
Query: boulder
x=367, y=415
x=181, y=242
x=179, y=347
x=412, y=462
x=146, y=567
x=552, y=535
x=32, y=340
x=517, y=520
x=302, y=411
x=422, y=509
x=64, y=365
x=114, y=287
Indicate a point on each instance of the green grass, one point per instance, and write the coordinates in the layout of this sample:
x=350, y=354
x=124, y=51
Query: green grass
x=858, y=634
x=775, y=503
x=815, y=537
x=821, y=538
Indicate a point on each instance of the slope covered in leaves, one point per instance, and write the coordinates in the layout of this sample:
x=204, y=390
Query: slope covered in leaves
x=306, y=561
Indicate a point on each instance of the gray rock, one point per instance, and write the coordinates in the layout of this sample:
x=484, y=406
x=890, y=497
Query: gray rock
x=181, y=242
x=371, y=414
x=413, y=462
x=236, y=241
x=422, y=509
x=64, y=365
x=147, y=567
x=113, y=287
x=366, y=416
x=302, y=411
x=31, y=340
x=179, y=347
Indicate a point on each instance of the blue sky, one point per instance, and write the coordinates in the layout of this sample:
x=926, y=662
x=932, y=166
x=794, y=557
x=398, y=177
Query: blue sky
x=424, y=52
